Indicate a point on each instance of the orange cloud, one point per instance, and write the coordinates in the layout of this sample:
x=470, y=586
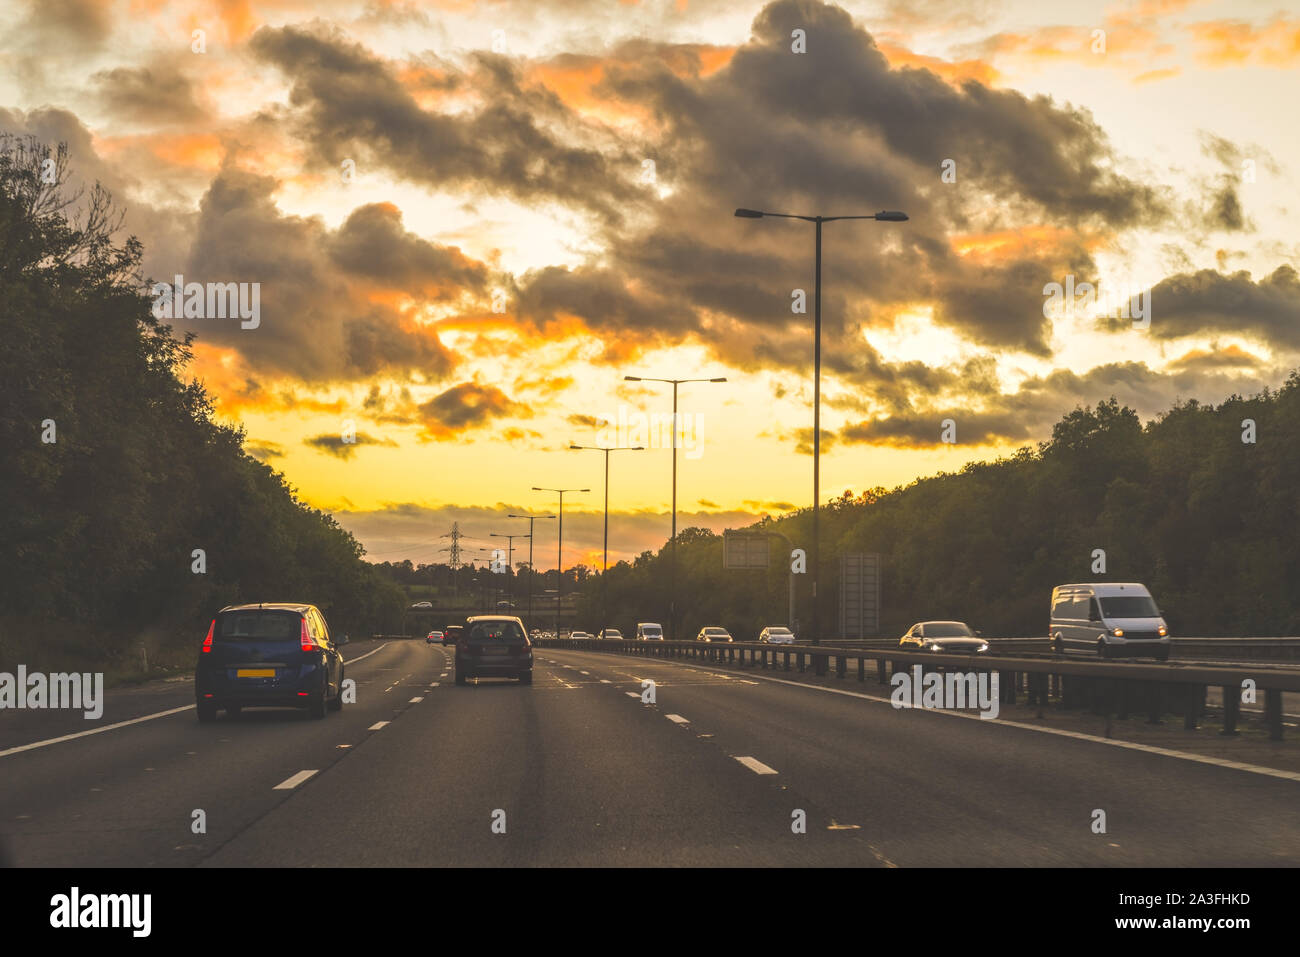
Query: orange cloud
x=1235, y=43
x=952, y=72
x=1024, y=242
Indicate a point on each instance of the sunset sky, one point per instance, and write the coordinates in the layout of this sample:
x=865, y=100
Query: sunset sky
x=470, y=221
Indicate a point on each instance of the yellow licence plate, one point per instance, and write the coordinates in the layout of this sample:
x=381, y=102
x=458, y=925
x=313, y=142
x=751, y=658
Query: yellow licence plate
x=255, y=673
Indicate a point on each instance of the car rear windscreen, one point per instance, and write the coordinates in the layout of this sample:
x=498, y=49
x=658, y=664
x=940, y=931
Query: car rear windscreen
x=258, y=625
x=1129, y=606
x=496, y=631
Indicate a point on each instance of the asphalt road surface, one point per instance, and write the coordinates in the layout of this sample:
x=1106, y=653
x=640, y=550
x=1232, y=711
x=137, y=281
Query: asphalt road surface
x=577, y=769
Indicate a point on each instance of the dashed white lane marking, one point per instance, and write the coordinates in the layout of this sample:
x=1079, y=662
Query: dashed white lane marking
x=417, y=699
x=677, y=719
x=435, y=684
x=288, y=784
x=1061, y=732
x=584, y=672
x=606, y=681
x=755, y=765
x=377, y=725
x=631, y=694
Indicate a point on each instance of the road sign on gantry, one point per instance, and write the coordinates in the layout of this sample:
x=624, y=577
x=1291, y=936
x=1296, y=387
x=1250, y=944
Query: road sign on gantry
x=744, y=549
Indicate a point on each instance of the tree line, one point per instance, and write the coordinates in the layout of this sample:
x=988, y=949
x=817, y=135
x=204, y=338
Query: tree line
x=130, y=513
x=1202, y=504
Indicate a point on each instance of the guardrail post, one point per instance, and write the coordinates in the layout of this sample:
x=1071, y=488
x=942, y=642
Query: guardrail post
x=786, y=656
x=841, y=662
x=882, y=669
x=1273, y=713
x=1192, y=696
x=1231, y=709
x=1155, y=702
x=862, y=668
x=802, y=665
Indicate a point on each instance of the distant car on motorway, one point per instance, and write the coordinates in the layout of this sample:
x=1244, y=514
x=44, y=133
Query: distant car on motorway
x=423, y=604
x=1111, y=620
x=580, y=635
x=776, y=635
x=494, y=646
x=273, y=654
x=505, y=604
x=649, y=631
x=612, y=633
x=713, y=633
x=953, y=637
x=432, y=637
x=451, y=633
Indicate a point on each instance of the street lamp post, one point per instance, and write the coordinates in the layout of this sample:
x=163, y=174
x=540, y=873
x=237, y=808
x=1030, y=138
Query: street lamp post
x=672, y=542
x=531, y=519
x=604, y=570
x=559, y=550
x=510, y=558
x=884, y=216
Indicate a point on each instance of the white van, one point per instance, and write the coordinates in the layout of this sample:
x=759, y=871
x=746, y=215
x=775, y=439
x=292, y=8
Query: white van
x=1110, y=620
x=649, y=631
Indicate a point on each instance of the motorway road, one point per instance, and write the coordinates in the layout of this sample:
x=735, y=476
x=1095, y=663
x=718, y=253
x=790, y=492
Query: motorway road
x=584, y=773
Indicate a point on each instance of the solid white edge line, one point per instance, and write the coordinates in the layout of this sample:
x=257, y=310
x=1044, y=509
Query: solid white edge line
x=288, y=784
x=82, y=734
x=122, y=724
x=755, y=765
x=348, y=661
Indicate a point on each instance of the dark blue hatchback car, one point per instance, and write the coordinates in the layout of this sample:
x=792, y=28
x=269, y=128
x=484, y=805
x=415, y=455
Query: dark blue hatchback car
x=275, y=654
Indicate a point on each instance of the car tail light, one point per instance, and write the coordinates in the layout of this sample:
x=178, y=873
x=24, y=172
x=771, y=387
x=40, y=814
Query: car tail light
x=308, y=642
x=207, y=642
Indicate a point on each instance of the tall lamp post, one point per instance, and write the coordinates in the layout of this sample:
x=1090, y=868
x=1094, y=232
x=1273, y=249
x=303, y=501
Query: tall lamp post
x=884, y=216
x=531, y=519
x=559, y=550
x=604, y=569
x=672, y=587
x=510, y=558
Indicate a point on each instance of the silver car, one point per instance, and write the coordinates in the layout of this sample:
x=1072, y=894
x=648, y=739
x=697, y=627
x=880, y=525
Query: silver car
x=776, y=635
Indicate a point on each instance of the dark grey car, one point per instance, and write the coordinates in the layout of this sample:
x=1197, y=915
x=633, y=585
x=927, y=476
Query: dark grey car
x=951, y=637
x=494, y=646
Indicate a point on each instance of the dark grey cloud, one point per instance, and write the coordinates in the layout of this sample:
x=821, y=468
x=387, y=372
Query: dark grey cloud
x=320, y=317
x=349, y=102
x=156, y=94
x=335, y=445
x=1028, y=413
x=468, y=405
x=1207, y=302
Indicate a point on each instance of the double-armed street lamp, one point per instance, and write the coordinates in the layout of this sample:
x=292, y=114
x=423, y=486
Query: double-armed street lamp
x=885, y=216
x=559, y=550
x=510, y=558
x=529, y=536
x=672, y=587
x=604, y=570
